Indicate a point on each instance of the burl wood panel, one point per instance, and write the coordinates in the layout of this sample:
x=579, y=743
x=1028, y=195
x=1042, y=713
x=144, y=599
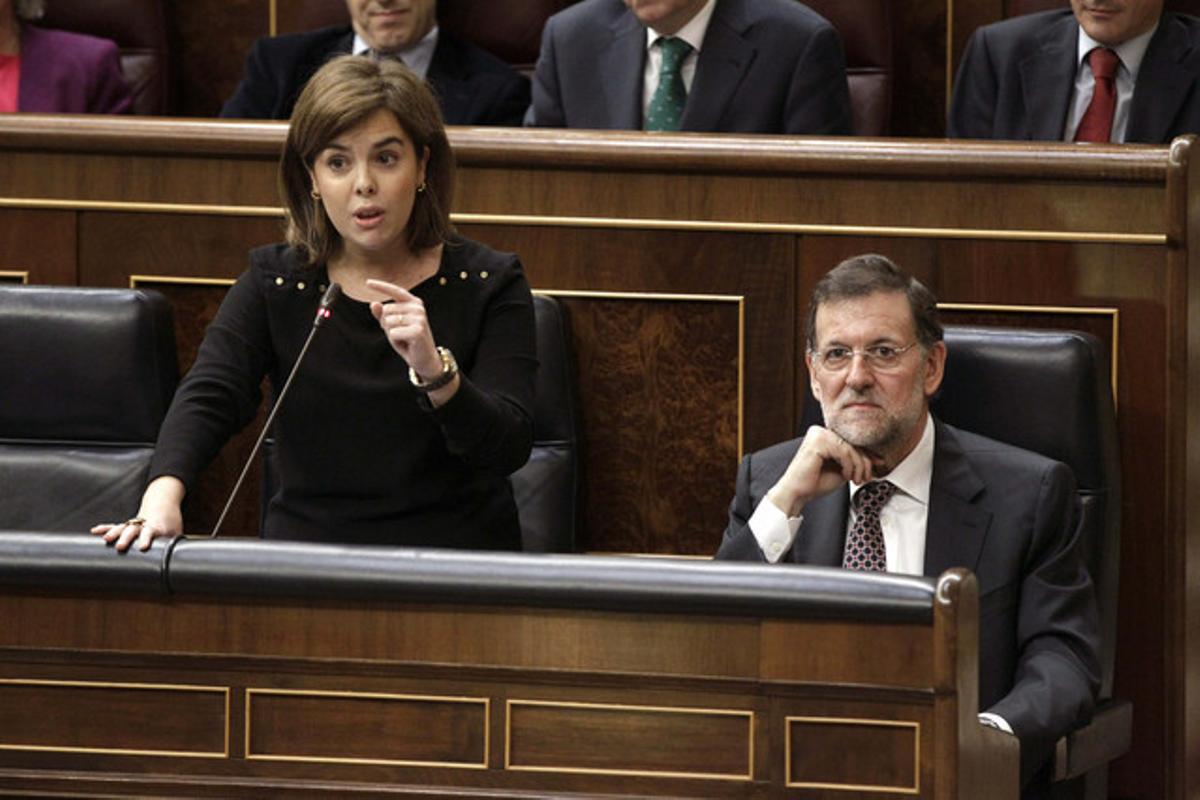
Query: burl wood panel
x=629, y=739
x=871, y=755
x=394, y=729
x=630, y=349
x=110, y=717
x=661, y=377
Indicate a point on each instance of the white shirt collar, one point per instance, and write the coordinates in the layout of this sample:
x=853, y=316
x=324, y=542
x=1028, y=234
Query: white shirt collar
x=914, y=474
x=417, y=56
x=692, y=33
x=1131, y=52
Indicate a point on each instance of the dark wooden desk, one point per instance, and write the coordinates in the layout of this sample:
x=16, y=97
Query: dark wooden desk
x=685, y=263
x=278, y=670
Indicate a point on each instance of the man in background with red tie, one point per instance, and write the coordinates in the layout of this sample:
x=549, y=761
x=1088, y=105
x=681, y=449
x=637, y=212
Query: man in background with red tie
x=1103, y=71
x=885, y=487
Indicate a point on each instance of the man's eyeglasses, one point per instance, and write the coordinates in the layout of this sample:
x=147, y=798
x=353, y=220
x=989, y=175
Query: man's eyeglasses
x=879, y=357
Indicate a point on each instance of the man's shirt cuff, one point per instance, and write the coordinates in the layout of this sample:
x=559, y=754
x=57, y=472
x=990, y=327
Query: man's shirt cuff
x=773, y=530
x=995, y=721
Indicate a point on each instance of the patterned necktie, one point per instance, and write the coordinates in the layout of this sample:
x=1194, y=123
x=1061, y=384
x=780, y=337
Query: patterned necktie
x=666, y=106
x=864, y=545
x=1096, y=125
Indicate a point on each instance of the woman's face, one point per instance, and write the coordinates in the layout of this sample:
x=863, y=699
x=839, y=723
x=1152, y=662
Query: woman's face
x=368, y=179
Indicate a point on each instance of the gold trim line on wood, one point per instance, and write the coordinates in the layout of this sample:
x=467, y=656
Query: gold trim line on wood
x=949, y=57
x=145, y=281
x=589, y=294
x=1091, y=237
x=485, y=702
x=140, y=208
x=121, y=751
x=1115, y=313
x=23, y=274
x=272, y=18
x=716, y=776
x=848, y=787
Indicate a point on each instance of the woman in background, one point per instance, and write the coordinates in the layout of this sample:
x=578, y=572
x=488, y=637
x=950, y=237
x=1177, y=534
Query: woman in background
x=45, y=70
x=415, y=400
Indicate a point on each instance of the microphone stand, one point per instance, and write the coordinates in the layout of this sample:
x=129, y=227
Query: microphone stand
x=323, y=313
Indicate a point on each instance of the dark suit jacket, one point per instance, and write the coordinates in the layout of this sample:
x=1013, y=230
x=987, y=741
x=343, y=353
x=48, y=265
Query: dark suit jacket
x=766, y=66
x=1016, y=79
x=1008, y=515
x=71, y=73
x=473, y=86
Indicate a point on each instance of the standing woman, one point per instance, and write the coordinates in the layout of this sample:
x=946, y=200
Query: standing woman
x=414, y=403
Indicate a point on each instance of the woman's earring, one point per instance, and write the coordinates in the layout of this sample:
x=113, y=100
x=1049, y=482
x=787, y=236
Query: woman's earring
x=315, y=194
x=421, y=188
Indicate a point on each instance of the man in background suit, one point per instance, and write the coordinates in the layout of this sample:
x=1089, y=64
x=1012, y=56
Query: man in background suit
x=1035, y=76
x=745, y=66
x=473, y=86
x=928, y=497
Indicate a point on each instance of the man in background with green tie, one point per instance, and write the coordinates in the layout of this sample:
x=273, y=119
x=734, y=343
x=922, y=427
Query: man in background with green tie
x=719, y=66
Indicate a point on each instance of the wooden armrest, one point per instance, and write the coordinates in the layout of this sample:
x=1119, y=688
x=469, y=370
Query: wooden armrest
x=1104, y=739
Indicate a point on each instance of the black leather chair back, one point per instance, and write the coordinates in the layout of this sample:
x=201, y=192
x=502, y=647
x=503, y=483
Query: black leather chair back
x=88, y=376
x=139, y=27
x=547, y=488
x=1049, y=392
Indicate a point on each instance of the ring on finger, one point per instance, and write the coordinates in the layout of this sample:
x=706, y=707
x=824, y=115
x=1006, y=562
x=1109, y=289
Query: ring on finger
x=136, y=521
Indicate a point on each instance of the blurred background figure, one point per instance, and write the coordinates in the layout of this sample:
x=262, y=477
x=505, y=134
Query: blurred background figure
x=45, y=70
x=715, y=66
x=472, y=86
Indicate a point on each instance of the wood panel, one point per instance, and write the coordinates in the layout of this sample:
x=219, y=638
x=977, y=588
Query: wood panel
x=848, y=754
x=358, y=727
x=629, y=740
x=114, y=718
x=335, y=697
x=38, y=246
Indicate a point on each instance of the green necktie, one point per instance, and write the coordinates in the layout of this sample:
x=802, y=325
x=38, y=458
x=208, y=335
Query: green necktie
x=666, y=106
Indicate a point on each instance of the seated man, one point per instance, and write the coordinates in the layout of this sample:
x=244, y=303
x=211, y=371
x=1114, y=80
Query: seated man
x=745, y=66
x=1100, y=72
x=884, y=486
x=472, y=86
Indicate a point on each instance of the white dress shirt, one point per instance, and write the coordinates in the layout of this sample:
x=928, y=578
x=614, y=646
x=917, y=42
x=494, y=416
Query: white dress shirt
x=692, y=33
x=1130, y=54
x=903, y=518
x=417, y=56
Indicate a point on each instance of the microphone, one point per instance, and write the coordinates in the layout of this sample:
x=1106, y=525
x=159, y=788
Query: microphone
x=324, y=312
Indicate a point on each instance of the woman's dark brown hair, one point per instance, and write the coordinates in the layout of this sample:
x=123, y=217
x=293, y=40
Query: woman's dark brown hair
x=342, y=94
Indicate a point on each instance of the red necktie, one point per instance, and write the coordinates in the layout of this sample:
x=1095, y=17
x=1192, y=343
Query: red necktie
x=1096, y=125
